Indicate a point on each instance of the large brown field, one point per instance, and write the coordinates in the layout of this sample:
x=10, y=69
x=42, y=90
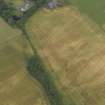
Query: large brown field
x=16, y=86
x=74, y=47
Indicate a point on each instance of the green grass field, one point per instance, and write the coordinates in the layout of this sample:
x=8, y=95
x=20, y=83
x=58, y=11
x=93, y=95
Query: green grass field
x=93, y=8
x=73, y=47
x=16, y=86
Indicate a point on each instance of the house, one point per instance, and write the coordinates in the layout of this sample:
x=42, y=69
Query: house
x=54, y=4
x=27, y=4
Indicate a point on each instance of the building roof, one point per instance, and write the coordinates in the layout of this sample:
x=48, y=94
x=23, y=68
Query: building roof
x=26, y=5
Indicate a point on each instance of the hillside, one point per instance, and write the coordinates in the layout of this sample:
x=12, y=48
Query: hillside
x=72, y=47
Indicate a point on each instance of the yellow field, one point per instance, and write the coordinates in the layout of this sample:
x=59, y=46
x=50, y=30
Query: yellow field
x=16, y=86
x=74, y=47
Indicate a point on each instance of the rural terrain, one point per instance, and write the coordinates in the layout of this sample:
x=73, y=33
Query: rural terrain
x=16, y=87
x=52, y=54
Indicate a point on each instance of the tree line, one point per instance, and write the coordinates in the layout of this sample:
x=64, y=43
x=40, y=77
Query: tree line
x=38, y=70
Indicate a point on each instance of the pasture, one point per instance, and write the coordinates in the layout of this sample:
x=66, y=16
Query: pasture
x=16, y=86
x=73, y=46
x=95, y=9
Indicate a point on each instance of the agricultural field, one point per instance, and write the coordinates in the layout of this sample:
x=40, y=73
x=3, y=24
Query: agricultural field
x=95, y=9
x=16, y=85
x=73, y=48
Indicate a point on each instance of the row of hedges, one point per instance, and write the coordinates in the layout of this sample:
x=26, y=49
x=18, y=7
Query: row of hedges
x=38, y=70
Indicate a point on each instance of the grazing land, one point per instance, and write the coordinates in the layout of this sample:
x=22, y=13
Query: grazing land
x=16, y=86
x=74, y=48
x=95, y=9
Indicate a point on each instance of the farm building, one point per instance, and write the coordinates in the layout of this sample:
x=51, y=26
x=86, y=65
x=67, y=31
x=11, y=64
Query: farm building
x=54, y=4
x=25, y=6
